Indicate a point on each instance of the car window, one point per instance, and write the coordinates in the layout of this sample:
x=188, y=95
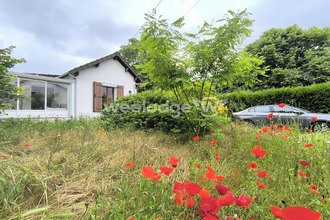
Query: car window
x=251, y=110
x=284, y=109
x=262, y=109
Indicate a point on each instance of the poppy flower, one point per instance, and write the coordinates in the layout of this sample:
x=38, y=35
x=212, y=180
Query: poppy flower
x=204, y=194
x=132, y=219
x=26, y=145
x=305, y=163
x=213, y=142
x=190, y=203
x=198, y=165
x=236, y=172
x=262, y=174
x=270, y=116
x=271, y=177
x=284, y=136
x=239, y=122
x=281, y=105
x=314, y=189
x=102, y=132
x=210, y=174
x=244, y=201
x=217, y=158
x=302, y=174
x=206, y=215
x=261, y=185
x=9, y=122
x=192, y=189
x=216, y=151
x=258, y=152
x=222, y=189
x=253, y=166
x=129, y=165
x=178, y=187
x=314, y=118
x=149, y=173
x=228, y=199
x=235, y=179
x=295, y=212
x=178, y=198
x=166, y=170
x=196, y=138
x=309, y=145
x=210, y=204
x=220, y=178
x=173, y=161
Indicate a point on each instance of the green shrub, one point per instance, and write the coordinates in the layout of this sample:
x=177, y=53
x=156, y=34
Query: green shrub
x=315, y=98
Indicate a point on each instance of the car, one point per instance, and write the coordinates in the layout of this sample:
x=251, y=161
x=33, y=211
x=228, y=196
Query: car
x=259, y=115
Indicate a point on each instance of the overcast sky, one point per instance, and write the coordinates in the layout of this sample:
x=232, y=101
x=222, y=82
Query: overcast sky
x=54, y=36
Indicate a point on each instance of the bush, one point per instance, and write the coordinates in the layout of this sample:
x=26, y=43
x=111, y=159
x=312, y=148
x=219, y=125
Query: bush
x=315, y=98
x=146, y=110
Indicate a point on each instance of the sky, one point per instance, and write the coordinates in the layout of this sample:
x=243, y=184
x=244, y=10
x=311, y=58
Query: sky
x=55, y=36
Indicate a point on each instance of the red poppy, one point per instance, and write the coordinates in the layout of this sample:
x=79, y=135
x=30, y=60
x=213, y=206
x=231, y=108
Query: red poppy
x=206, y=215
x=258, y=152
x=239, y=122
x=217, y=158
x=149, y=173
x=102, y=132
x=213, y=142
x=309, y=145
x=9, y=122
x=216, y=151
x=190, y=203
x=262, y=174
x=227, y=200
x=243, y=201
x=285, y=136
x=210, y=174
x=302, y=174
x=166, y=170
x=235, y=179
x=173, y=161
x=222, y=189
x=26, y=145
x=236, y=172
x=281, y=105
x=253, y=166
x=210, y=204
x=132, y=219
x=261, y=185
x=314, y=118
x=314, y=189
x=220, y=178
x=295, y=212
x=129, y=165
x=270, y=116
x=196, y=138
x=198, y=165
x=192, y=189
x=178, y=187
x=178, y=198
x=271, y=177
x=305, y=163
x=204, y=194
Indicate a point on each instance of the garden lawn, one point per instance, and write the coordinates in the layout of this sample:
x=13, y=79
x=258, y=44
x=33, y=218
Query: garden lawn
x=76, y=170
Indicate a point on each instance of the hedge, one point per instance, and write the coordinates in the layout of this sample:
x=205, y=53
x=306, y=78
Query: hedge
x=315, y=98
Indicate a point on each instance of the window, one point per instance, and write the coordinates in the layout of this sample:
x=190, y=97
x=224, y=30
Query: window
x=57, y=95
x=108, y=96
x=10, y=98
x=104, y=94
x=264, y=109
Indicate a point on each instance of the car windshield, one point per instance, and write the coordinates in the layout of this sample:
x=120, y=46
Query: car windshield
x=302, y=110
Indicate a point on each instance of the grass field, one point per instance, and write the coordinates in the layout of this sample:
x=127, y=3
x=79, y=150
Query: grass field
x=76, y=170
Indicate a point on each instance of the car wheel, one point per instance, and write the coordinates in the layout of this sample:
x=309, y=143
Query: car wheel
x=250, y=123
x=321, y=127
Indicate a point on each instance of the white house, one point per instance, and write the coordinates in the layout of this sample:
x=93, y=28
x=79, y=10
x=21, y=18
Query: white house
x=82, y=91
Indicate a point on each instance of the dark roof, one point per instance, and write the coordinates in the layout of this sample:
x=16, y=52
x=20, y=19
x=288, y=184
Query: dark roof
x=95, y=63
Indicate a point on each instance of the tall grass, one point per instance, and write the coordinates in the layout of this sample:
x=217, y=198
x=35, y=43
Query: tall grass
x=75, y=170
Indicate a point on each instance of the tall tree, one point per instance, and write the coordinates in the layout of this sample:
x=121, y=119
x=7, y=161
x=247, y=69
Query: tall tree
x=191, y=65
x=295, y=57
x=8, y=90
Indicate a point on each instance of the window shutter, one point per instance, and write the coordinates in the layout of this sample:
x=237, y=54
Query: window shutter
x=97, y=97
x=120, y=91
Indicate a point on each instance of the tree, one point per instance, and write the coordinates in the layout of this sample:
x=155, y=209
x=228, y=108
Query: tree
x=191, y=65
x=8, y=90
x=295, y=57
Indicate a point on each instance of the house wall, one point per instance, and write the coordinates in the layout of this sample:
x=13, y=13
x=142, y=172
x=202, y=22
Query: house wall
x=108, y=72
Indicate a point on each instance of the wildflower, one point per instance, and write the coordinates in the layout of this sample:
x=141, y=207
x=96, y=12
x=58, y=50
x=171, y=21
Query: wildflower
x=217, y=158
x=258, y=152
x=220, y=178
x=222, y=189
x=293, y=153
x=210, y=174
x=314, y=189
x=304, y=163
x=216, y=151
x=235, y=179
x=129, y=165
x=173, y=161
x=166, y=170
x=295, y=212
x=270, y=116
x=227, y=200
x=236, y=172
x=243, y=201
x=271, y=177
x=239, y=122
x=261, y=185
x=9, y=122
x=204, y=194
x=149, y=173
x=262, y=174
x=192, y=189
x=309, y=145
x=284, y=136
x=253, y=166
x=178, y=187
x=210, y=204
x=26, y=145
x=198, y=165
x=196, y=138
x=281, y=105
x=302, y=174
x=314, y=118
x=178, y=198
x=213, y=142
x=190, y=203
x=324, y=200
x=102, y=132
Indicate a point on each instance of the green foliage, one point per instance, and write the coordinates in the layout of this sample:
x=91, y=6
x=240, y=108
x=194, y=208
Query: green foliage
x=315, y=98
x=295, y=57
x=8, y=90
x=193, y=65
